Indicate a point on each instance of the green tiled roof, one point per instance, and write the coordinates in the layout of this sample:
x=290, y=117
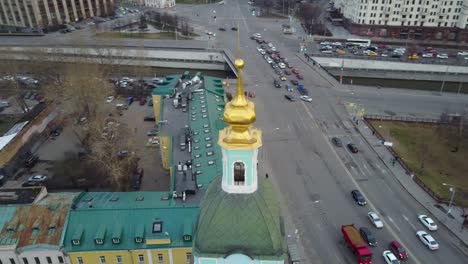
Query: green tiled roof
x=118, y=218
x=246, y=222
x=205, y=121
x=168, y=86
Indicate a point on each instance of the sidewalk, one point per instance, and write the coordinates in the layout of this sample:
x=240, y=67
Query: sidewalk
x=454, y=220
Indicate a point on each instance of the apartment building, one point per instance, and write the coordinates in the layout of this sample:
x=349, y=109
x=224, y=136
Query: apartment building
x=160, y=3
x=415, y=19
x=50, y=13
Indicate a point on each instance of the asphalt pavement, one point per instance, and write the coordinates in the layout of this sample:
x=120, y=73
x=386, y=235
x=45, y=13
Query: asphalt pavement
x=314, y=178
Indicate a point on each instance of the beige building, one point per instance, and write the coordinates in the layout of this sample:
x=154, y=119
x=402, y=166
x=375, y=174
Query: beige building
x=50, y=13
x=160, y=3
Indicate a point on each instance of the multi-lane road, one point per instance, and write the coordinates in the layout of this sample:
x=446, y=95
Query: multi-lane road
x=313, y=177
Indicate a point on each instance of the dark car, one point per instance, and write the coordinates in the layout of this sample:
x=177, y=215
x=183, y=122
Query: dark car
x=295, y=82
x=136, y=179
x=287, y=72
x=358, y=197
x=274, y=66
x=31, y=161
x=277, y=71
x=142, y=101
x=277, y=83
x=398, y=250
x=337, y=141
x=222, y=29
x=56, y=132
x=31, y=184
x=234, y=29
x=290, y=97
x=300, y=77
x=352, y=148
x=368, y=236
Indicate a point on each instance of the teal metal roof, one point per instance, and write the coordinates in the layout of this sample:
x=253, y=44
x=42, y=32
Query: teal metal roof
x=247, y=222
x=168, y=86
x=119, y=218
x=206, y=114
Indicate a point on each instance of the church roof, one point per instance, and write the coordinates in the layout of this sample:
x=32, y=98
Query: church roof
x=243, y=223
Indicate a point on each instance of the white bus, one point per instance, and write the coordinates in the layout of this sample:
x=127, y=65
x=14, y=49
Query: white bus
x=358, y=42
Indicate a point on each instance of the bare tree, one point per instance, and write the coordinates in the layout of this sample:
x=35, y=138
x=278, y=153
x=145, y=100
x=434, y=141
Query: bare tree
x=312, y=16
x=266, y=5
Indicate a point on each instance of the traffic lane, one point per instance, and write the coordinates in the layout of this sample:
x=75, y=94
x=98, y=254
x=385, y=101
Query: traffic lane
x=379, y=187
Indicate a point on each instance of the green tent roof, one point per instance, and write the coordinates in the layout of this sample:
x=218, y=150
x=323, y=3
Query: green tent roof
x=247, y=223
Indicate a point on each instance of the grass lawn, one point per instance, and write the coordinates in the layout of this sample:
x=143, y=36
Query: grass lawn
x=428, y=151
x=6, y=123
x=162, y=35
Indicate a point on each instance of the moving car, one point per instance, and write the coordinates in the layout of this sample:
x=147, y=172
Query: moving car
x=290, y=97
x=234, y=29
x=358, y=197
x=337, y=142
x=306, y=98
x=222, y=29
x=427, y=240
x=442, y=56
x=375, y=220
x=427, y=55
x=368, y=236
x=37, y=178
x=398, y=250
x=352, y=148
x=427, y=222
x=463, y=53
x=389, y=257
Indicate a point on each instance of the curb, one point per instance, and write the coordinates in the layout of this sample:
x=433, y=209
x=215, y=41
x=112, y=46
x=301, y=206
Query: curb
x=455, y=234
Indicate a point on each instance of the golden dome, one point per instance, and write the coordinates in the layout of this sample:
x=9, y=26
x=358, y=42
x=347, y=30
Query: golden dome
x=239, y=114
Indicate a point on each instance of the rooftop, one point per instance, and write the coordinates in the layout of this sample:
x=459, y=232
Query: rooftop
x=35, y=224
x=128, y=220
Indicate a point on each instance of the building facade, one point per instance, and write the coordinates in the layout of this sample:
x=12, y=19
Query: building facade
x=31, y=223
x=50, y=13
x=414, y=19
x=160, y=3
x=131, y=227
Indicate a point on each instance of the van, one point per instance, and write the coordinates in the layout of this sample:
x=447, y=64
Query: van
x=182, y=142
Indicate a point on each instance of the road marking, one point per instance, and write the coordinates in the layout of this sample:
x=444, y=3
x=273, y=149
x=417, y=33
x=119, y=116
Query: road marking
x=407, y=220
x=393, y=222
x=357, y=186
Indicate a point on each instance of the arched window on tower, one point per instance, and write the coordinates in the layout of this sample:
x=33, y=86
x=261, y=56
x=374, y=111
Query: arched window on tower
x=239, y=173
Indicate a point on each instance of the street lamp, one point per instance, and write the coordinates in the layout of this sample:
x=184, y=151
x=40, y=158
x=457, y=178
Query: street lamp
x=452, y=190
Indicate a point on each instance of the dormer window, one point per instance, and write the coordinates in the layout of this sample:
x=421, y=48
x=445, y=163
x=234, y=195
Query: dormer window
x=239, y=173
x=76, y=242
x=99, y=241
x=187, y=237
x=138, y=240
x=157, y=227
x=115, y=241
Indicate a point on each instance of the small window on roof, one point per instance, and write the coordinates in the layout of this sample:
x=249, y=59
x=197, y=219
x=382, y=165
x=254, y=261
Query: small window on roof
x=202, y=97
x=198, y=172
x=194, y=119
x=99, y=241
x=211, y=162
x=157, y=227
x=197, y=156
x=75, y=242
x=196, y=140
x=203, y=111
x=195, y=133
x=209, y=145
x=202, y=101
x=140, y=198
x=89, y=199
x=219, y=109
x=197, y=147
x=205, y=116
x=206, y=126
x=138, y=239
x=116, y=241
x=197, y=165
x=206, y=131
x=208, y=138
x=210, y=153
x=114, y=199
x=187, y=237
x=193, y=107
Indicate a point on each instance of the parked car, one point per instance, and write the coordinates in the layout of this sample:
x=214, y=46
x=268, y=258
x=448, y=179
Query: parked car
x=300, y=77
x=109, y=99
x=427, y=222
x=290, y=97
x=375, y=220
x=427, y=240
x=337, y=142
x=222, y=29
x=31, y=161
x=295, y=71
x=153, y=132
x=288, y=88
x=282, y=78
x=37, y=178
x=389, y=257
x=398, y=250
x=277, y=83
x=287, y=72
x=358, y=197
x=352, y=148
x=234, y=29
x=295, y=82
x=368, y=236
x=142, y=101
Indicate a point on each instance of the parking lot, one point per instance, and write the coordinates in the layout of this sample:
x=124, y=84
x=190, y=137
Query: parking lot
x=364, y=48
